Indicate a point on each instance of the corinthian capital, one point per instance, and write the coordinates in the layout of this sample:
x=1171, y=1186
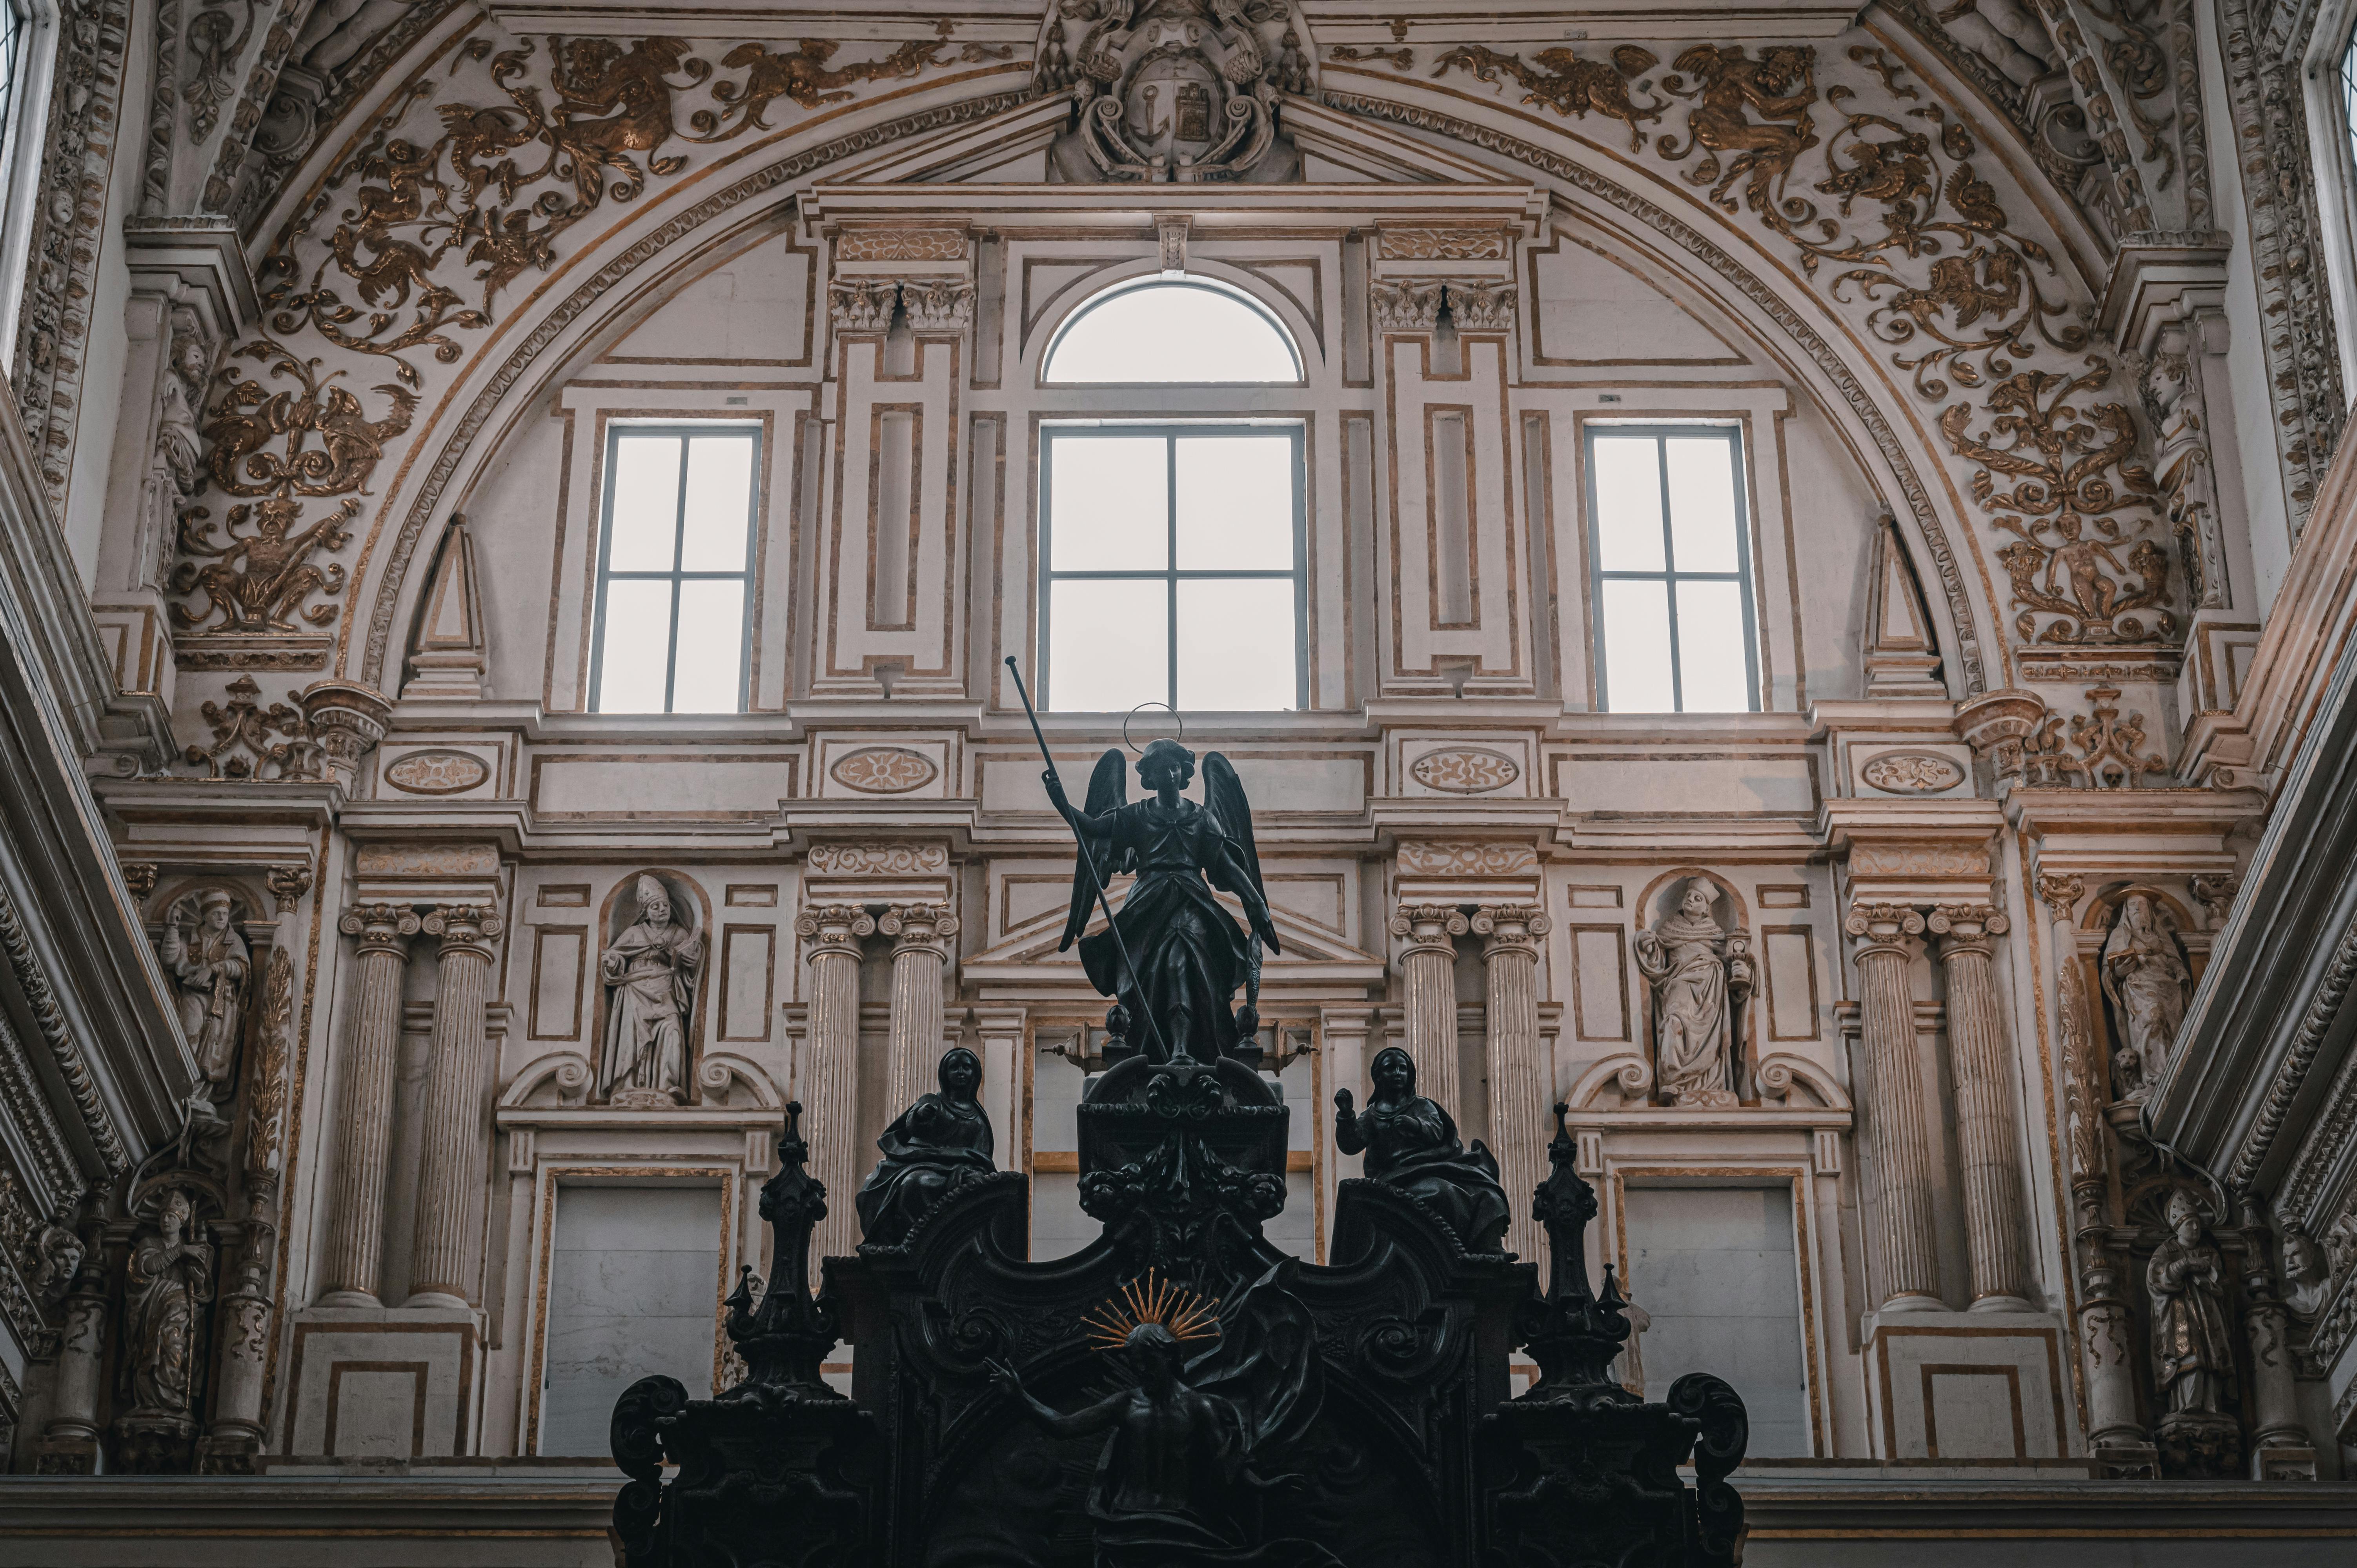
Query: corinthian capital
x=2060, y=893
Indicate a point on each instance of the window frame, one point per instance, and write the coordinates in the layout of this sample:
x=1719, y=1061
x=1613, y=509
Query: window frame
x=1663, y=432
x=1161, y=280
x=751, y=432
x=1171, y=432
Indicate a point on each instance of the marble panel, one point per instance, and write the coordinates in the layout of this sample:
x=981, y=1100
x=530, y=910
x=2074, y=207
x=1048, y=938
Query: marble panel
x=1714, y=1267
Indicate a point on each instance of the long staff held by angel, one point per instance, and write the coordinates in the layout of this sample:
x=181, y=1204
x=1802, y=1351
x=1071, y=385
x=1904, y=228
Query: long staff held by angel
x=1185, y=956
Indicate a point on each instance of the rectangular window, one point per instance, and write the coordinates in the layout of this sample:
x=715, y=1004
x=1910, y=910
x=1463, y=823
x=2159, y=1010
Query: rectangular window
x=1171, y=568
x=673, y=576
x=1667, y=530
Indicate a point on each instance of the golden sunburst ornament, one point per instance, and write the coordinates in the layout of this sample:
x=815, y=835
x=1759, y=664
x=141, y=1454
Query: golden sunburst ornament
x=1185, y=1314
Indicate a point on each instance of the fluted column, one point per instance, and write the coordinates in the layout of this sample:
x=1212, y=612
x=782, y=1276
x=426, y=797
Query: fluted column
x=2106, y=1354
x=1428, y=976
x=920, y=934
x=450, y=1162
x=1987, y=1132
x=827, y=1079
x=1896, y=1138
x=1521, y=1085
x=364, y=1108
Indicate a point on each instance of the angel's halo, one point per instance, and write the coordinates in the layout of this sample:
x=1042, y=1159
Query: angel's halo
x=1135, y=748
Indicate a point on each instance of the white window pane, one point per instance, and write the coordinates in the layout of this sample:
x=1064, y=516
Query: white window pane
x=1108, y=645
x=1713, y=674
x=1702, y=503
x=635, y=648
x=1236, y=503
x=1628, y=504
x=1236, y=645
x=646, y=502
x=1172, y=332
x=1637, y=649
x=719, y=503
x=1109, y=503
x=711, y=663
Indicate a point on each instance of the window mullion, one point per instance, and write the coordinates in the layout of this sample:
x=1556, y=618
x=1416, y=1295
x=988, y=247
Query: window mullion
x=1670, y=577
x=678, y=556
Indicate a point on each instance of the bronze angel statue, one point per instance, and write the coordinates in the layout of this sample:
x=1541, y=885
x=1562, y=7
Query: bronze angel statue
x=1171, y=956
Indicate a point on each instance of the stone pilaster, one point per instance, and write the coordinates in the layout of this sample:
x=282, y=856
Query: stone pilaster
x=364, y=1108
x=826, y=1080
x=1428, y=964
x=450, y=1174
x=1896, y=1138
x=1521, y=1084
x=1988, y=1135
x=920, y=934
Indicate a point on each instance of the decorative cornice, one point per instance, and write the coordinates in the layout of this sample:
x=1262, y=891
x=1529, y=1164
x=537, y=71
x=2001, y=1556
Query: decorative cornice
x=73, y=1064
x=2315, y=1023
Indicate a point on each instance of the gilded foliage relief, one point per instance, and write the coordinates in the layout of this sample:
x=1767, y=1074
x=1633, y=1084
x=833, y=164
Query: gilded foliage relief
x=465, y=185
x=1891, y=208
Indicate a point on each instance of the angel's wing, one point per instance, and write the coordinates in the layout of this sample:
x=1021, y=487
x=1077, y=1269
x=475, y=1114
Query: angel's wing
x=1108, y=792
x=1224, y=796
x=1266, y=1361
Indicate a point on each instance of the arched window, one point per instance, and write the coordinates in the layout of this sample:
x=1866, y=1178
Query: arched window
x=1171, y=551
x=1172, y=330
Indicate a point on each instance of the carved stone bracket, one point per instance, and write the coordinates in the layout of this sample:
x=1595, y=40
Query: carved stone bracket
x=940, y=305
x=1414, y=305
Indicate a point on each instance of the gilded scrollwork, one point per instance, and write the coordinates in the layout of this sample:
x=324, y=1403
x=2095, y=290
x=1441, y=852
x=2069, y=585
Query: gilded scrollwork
x=805, y=75
x=2070, y=472
x=253, y=742
x=1560, y=80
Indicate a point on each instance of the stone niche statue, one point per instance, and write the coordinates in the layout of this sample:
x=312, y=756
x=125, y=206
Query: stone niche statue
x=2148, y=984
x=2192, y=1352
x=167, y=1282
x=649, y=970
x=211, y=971
x=1700, y=973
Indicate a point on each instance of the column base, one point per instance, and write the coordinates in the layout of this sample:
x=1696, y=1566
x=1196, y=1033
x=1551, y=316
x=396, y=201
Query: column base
x=434, y=1300
x=1911, y=1304
x=2287, y=1462
x=385, y=1383
x=2007, y=1304
x=2127, y=1461
x=228, y=1454
x=346, y=1300
x=66, y=1456
x=1965, y=1385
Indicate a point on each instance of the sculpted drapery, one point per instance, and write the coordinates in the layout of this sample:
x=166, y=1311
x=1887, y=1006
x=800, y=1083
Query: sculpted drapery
x=651, y=970
x=1687, y=958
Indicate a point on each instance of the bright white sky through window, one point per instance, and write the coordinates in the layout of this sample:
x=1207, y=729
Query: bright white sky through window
x=1172, y=332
